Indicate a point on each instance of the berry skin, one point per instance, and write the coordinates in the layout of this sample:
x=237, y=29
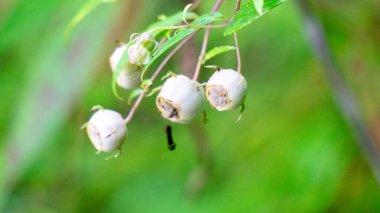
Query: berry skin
x=180, y=99
x=106, y=130
x=226, y=90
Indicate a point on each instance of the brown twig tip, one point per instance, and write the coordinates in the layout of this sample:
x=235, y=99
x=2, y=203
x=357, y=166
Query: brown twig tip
x=171, y=143
x=237, y=8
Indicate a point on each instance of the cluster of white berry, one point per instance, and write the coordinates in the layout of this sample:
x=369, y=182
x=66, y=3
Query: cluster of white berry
x=180, y=100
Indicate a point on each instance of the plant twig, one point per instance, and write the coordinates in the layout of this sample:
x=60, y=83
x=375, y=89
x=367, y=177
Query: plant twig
x=154, y=76
x=341, y=92
x=217, y=6
x=202, y=54
x=237, y=8
x=204, y=44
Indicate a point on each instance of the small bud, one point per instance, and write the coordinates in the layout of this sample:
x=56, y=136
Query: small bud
x=146, y=36
x=180, y=99
x=226, y=90
x=106, y=130
x=140, y=49
x=129, y=76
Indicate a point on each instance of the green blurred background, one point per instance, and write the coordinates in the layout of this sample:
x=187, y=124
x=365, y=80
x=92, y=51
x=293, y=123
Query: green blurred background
x=292, y=150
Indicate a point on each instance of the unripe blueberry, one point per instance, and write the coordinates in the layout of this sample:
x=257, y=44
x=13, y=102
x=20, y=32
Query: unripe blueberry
x=140, y=49
x=226, y=89
x=106, y=130
x=129, y=76
x=180, y=99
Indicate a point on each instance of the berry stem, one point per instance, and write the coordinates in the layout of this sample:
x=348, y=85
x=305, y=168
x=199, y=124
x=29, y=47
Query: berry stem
x=237, y=8
x=202, y=54
x=237, y=53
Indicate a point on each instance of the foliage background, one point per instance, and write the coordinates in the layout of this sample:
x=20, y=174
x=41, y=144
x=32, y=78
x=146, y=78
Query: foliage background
x=291, y=151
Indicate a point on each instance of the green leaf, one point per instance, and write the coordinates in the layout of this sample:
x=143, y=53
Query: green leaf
x=248, y=13
x=134, y=94
x=170, y=21
x=216, y=51
x=259, y=6
x=120, y=66
x=184, y=19
x=181, y=34
x=86, y=9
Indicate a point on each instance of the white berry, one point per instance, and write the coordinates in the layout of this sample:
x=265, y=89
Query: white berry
x=106, y=130
x=180, y=99
x=226, y=89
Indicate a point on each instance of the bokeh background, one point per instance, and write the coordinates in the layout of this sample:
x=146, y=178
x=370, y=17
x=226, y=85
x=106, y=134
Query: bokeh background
x=291, y=151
